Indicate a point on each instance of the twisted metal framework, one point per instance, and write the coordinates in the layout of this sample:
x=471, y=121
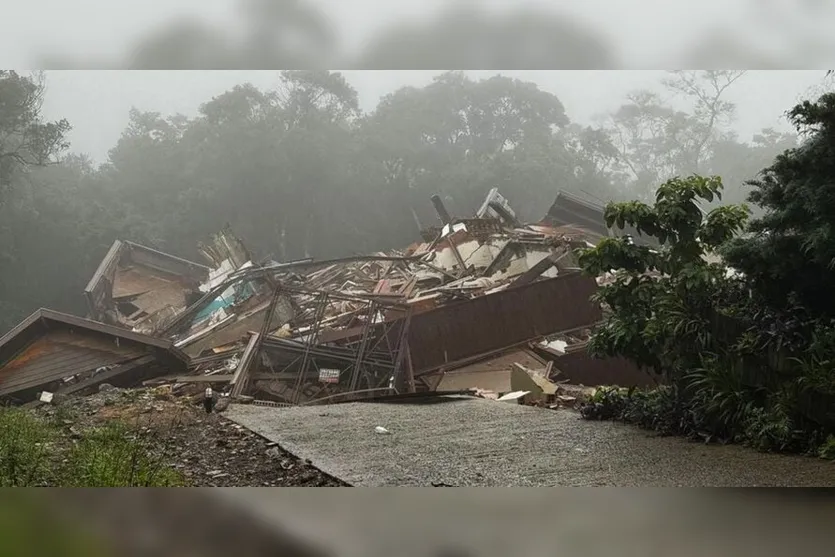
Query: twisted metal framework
x=369, y=358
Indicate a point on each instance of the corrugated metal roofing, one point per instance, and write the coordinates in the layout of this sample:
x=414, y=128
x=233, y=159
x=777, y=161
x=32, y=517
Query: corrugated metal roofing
x=487, y=324
x=572, y=210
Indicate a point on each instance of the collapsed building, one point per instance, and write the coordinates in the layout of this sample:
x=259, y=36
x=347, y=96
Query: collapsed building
x=572, y=209
x=473, y=294
x=136, y=287
x=51, y=351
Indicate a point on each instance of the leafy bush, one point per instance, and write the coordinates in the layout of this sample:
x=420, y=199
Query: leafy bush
x=659, y=409
x=747, y=359
x=714, y=416
x=827, y=448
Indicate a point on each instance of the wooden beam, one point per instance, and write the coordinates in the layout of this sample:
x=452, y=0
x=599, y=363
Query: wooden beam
x=217, y=378
x=239, y=379
x=410, y=370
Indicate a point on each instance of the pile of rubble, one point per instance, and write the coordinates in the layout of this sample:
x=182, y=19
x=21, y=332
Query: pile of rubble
x=484, y=303
x=206, y=449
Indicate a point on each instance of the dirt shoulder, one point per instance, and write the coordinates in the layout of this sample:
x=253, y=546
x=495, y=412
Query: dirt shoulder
x=206, y=449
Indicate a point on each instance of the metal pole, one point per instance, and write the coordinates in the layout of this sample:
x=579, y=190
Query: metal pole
x=372, y=308
x=311, y=340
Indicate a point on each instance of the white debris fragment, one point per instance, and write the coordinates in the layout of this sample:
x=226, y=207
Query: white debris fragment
x=381, y=430
x=558, y=346
x=46, y=397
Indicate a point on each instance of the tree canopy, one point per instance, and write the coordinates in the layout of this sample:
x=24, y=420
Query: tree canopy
x=788, y=254
x=299, y=170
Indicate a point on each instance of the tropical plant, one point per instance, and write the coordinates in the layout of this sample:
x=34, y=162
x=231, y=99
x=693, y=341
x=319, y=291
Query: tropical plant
x=660, y=300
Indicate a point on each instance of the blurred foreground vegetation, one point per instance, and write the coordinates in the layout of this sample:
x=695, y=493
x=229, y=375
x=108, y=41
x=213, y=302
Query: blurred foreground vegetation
x=28, y=526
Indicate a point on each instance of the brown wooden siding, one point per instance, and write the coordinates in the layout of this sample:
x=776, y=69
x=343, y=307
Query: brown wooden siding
x=60, y=354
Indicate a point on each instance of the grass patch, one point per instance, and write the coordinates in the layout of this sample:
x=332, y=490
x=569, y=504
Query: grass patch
x=36, y=452
x=113, y=456
x=25, y=443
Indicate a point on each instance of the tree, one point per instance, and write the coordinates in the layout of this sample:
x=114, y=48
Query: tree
x=788, y=255
x=26, y=142
x=652, y=140
x=657, y=142
x=25, y=139
x=705, y=89
x=460, y=138
x=660, y=301
x=747, y=357
x=281, y=166
x=738, y=162
x=306, y=94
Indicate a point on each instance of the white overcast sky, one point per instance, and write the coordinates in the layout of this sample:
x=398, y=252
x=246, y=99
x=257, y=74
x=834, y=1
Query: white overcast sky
x=97, y=102
x=644, y=33
x=642, y=29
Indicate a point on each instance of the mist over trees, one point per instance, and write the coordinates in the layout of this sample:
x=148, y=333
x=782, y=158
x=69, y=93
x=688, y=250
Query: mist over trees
x=301, y=171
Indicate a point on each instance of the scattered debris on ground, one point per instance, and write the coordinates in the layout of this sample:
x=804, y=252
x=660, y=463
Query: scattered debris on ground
x=207, y=449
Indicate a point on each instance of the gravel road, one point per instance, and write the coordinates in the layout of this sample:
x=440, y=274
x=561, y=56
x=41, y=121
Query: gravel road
x=476, y=442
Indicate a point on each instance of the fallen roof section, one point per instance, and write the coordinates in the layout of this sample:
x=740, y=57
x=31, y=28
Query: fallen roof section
x=136, y=285
x=573, y=210
x=50, y=350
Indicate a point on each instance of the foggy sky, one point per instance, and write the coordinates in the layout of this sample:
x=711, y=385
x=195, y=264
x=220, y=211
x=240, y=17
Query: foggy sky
x=97, y=102
x=631, y=24
x=648, y=33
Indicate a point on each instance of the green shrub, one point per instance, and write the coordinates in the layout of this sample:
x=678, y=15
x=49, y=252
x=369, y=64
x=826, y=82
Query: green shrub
x=658, y=409
x=827, y=448
x=774, y=425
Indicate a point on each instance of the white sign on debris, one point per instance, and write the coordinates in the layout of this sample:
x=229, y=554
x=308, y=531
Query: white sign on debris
x=329, y=375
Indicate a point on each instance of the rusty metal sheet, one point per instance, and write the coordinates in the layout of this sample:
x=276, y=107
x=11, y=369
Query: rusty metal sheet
x=581, y=369
x=501, y=320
